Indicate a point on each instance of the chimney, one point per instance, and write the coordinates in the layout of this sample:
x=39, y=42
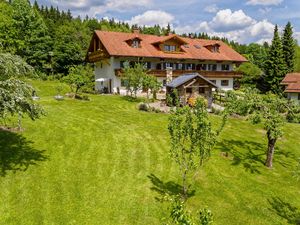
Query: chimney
x=136, y=30
x=169, y=73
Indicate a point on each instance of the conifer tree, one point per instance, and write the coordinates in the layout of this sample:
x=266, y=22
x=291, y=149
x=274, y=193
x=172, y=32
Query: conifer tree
x=275, y=65
x=288, y=46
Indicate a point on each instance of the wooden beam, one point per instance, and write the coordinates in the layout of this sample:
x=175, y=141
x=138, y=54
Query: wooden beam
x=194, y=80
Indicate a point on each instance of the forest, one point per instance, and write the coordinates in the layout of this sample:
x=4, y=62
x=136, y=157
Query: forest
x=52, y=41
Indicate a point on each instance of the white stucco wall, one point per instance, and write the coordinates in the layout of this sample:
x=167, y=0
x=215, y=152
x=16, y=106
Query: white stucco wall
x=106, y=70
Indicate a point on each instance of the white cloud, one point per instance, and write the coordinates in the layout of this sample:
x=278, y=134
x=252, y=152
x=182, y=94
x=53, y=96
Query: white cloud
x=226, y=20
x=211, y=8
x=236, y=26
x=152, y=17
x=94, y=7
x=264, y=2
x=262, y=28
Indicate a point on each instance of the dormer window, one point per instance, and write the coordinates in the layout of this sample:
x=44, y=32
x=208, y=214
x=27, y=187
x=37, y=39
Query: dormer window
x=135, y=43
x=169, y=48
x=215, y=48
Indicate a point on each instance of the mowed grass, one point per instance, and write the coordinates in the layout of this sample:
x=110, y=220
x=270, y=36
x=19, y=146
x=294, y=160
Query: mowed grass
x=105, y=162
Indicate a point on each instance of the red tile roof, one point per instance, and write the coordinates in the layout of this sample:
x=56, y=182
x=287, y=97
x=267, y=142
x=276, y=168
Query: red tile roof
x=292, y=81
x=116, y=45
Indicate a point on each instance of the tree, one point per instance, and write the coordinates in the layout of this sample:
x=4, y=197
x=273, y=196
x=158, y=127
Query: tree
x=251, y=74
x=289, y=47
x=31, y=39
x=179, y=214
x=150, y=83
x=70, y=41
x=275, y=65
x=134, y=77
x=192, y=139
x=16, y=95
x=78, y=77
x=267, y=109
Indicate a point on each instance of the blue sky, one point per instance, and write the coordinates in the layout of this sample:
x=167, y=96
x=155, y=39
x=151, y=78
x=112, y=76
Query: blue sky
x=240, y=20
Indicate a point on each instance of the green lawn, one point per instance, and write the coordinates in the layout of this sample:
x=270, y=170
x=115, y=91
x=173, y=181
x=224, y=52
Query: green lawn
x=104, y=162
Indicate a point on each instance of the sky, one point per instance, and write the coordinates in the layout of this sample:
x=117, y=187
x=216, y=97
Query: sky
x=244, y=21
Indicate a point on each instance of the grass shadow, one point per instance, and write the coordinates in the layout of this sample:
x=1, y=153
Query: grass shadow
x=252, y=154
x=285, y=210
x=16, y=153
x=167, y=188
x=249, y=154
x=132, y=99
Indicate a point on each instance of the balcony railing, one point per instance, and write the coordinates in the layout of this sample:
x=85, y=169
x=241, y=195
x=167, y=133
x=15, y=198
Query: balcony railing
x=176, y=73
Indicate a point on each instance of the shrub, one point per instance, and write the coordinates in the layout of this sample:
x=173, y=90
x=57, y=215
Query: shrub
x=143, y=107
x=205, y=217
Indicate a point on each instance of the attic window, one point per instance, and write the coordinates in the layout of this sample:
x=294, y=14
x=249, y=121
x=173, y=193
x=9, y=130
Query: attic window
x=135, y=43
x=197, y=46
x=169, y=48
x=215, y=48
x=186, y=46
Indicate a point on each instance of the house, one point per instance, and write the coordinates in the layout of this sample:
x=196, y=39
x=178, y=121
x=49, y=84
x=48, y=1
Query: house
x=212, y=59
x=292, y=86
x=190, y=86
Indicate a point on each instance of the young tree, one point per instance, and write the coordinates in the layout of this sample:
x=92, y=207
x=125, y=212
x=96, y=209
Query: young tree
x=266, y=109
x=150, y=83
x=16, y=95
x=192, y=139
x=78, y=77
x=275, y=66
x=289, y=47
x=134, y=77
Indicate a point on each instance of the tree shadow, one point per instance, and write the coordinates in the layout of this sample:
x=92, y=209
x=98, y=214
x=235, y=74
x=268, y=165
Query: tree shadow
x=132, y=99
x=252, y=154
x=16, y=153
x=167, y=188
x=285, y=210
x=251, y=157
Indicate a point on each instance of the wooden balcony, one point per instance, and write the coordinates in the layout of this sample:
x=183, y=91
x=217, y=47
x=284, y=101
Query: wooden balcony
x=176, y=73
x=96, y=56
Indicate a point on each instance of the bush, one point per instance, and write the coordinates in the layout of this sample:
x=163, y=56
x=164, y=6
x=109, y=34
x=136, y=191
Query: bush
x=82, y=97
x=205, y=217
x=216, y=111
x=143, y=107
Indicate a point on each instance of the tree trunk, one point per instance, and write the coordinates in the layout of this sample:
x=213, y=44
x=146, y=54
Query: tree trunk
x=184, y=185
x=19, y=121
x=270, y=152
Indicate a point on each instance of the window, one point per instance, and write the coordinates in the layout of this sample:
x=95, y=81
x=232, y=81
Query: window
x=169, y=48
x=225, y=67
x=122, y=64
x=215, y=48
x=212, y=67
x=158, y=66
x=189, y=90
x=135, y=43
x=213, y=81
x=224, y=82
x=201, y=90
x=299, y=96
x=179, y=66
x=197, y=46
x=147, y=65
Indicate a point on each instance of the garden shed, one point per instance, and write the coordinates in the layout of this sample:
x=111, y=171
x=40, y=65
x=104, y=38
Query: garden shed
x=191, y=86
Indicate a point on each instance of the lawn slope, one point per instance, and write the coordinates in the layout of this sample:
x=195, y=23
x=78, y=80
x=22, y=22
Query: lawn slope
x=104, y=162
